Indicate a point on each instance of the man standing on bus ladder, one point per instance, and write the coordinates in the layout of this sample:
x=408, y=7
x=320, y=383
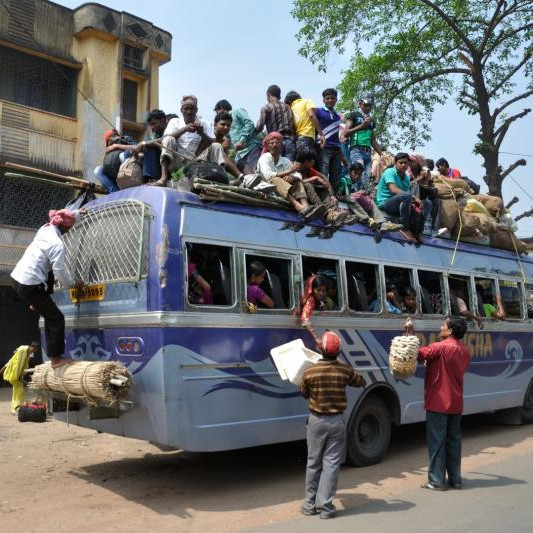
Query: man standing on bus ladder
x=324, y=385
x=446, y=363
x=30, y=278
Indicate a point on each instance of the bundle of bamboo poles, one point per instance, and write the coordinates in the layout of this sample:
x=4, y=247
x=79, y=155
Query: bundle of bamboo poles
x=93, y=380
x=216, y=192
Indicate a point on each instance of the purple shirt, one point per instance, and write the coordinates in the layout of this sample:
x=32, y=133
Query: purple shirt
x=254, y=294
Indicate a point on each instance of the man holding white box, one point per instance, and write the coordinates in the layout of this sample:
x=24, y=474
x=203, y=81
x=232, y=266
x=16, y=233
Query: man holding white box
x=324, y=385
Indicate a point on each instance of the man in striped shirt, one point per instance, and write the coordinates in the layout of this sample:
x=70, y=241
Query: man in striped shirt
x=324, y=386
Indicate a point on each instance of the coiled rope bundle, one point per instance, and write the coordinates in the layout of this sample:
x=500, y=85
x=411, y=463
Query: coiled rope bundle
x=91, y=380
x=403, y=356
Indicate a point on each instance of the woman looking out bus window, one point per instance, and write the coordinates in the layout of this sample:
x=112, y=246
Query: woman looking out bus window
x=254, y=293
x=314, y=297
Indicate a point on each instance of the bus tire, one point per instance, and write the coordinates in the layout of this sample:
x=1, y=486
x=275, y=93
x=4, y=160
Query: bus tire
x=368, y=432
x=526, y=411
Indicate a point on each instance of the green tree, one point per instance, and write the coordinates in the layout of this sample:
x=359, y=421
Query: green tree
x=424, y=53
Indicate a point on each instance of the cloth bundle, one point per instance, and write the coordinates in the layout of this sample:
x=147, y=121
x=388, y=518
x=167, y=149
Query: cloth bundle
x=403, y=356
x=93, y=380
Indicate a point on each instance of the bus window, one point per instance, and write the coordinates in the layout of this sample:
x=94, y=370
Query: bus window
x=328, y=269
x=209, y=276
x=488, y=303
x=511, y=297
x=431, y=292
x=460, y=295
x=275, y=283
x=398, y=285
x=529, y=299
x=363, y=283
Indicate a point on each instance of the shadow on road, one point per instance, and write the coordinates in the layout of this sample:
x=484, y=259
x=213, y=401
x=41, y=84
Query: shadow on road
x=490, y=481
x=177, y=482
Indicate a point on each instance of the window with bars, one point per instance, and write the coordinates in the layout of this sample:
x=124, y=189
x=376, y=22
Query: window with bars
x=133, y=57
x=129, y=100
x=110, y=243
x=37, y=83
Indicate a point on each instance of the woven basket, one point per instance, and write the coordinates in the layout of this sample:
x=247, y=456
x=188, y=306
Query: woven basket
x=403, y=356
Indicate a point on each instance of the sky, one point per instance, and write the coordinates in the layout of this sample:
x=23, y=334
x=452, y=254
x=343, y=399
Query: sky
x=235, y=49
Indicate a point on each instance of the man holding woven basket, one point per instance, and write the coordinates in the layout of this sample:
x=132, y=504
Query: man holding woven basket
x=446, y=363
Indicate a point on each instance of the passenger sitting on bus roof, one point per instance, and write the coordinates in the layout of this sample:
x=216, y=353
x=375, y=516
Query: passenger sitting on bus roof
x=444, y=169
x=243, y=137
x=394, y=197
x=391, y=302
x=409, y=302
x=116, y=152
x=313, y=298
x=422, y=183
x=254, y=293
x=199, y=289
x=279, y=171
x=150, y=147
x=222, y=126
x=319, y=190
x=458, y=304
x=190, y=138
x=359, y=201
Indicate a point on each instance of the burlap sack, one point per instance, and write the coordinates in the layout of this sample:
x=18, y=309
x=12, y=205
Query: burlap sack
x=443, y=185
x=448, y=214
x=477, y=221
x=130, y=173
x=504, y=241
x=493, y=204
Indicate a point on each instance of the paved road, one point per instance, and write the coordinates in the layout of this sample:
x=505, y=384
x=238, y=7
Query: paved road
x=56, y=478
x=496, y=498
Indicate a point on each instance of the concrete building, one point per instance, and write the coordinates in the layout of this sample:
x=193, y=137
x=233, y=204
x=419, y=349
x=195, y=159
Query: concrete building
x=66, y=76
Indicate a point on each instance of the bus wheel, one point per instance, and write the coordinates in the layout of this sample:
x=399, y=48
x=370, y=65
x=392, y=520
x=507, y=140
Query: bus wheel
x=526, y=411
x=368, y=432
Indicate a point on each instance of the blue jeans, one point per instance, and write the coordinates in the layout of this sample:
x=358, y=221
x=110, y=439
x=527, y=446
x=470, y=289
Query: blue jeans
x=248, y=163
x=108, y=183
x=331, y=164
x=365, y=158
x=400, y=205
x=305, y=144
x=443, y=434
x=289, y=148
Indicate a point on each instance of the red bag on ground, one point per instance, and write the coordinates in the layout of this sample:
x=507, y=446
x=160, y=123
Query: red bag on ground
x=32, y=412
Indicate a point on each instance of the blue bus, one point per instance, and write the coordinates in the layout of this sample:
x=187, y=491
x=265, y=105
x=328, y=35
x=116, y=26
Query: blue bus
x=203, y=376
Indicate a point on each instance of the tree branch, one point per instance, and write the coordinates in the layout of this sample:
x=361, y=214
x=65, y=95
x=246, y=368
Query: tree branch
x=502, y=82
x=503, y=37
x=510, y=168
x=491, y=26
x=498, y=110
x=501, y=132
x=523, y=215
x=451, y=22
x=510, y=204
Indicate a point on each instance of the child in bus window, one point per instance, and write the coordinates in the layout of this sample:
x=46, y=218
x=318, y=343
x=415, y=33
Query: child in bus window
x=314, y=297
x=199, y=289
x=409, y=302
x=254, y=293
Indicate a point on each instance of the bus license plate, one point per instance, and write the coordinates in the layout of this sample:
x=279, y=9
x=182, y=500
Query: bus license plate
x=87, y=294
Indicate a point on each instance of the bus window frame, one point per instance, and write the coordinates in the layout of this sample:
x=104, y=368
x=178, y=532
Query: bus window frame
x=379, y=284
x=445, y=298
x=412, y=282
x=243, y=283
x=522, y=295
x=495, y=288
x=187, y=306
x=470, y=279
x=342, y=307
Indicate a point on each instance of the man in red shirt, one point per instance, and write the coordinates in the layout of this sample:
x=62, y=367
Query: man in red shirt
x=446, y=363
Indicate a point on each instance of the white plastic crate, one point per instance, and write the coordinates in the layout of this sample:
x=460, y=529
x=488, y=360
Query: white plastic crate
x=292, y=359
